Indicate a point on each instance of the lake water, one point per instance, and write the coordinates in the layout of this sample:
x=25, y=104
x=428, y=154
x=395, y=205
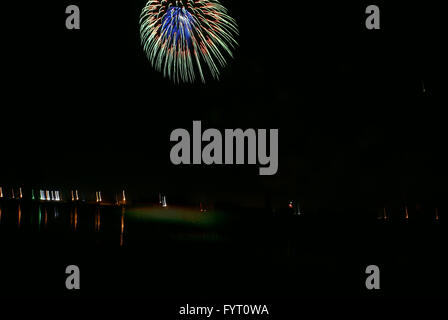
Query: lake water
x=149, y=251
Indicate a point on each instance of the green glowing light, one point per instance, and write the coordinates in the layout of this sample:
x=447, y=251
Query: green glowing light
x=174, y=215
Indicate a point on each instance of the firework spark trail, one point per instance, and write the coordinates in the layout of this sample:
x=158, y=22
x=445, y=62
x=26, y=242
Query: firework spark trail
x=184, y=38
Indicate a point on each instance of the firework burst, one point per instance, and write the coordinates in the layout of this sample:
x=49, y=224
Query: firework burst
x=183, y=39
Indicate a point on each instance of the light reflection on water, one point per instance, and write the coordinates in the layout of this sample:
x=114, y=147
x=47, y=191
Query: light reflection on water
x=76, y=218
x=123, y=211
x=40, y=217
x=97, y=220
x=83, y=224
x=88, y=221
x=19, y=216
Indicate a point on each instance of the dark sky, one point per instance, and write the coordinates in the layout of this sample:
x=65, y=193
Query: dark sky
x=84, y=108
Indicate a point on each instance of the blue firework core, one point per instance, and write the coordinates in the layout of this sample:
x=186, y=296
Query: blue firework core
x=177, y=25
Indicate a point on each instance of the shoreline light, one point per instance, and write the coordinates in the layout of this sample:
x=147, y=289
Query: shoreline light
x=98, y=197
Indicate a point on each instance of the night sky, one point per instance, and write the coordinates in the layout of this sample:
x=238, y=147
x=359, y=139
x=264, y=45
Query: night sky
x=357, y=129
